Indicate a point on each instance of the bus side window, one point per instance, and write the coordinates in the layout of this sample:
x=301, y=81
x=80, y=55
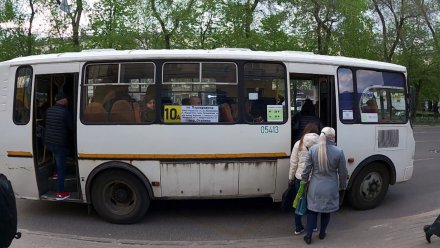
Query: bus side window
x=114, y=93
x=265, y=85
x=22, y=101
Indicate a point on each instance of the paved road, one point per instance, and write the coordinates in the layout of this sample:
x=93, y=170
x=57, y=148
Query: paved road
x=246, y=222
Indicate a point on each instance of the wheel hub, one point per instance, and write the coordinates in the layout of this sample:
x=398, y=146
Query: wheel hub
x=371, y=186
x=120, y=195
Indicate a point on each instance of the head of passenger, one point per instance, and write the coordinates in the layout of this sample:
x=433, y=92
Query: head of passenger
x=186, y=101
x=195, y=101
x=327, y=134
x=150, y=102
x=309, y=128
x=308, y=109
x=371, y=106
x=61, y=99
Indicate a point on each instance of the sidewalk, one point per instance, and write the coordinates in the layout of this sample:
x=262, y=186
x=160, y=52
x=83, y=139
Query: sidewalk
x=405, y=232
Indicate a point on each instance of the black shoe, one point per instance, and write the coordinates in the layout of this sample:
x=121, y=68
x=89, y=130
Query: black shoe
x=321, y=236
x=427, y=235
x=308, y=240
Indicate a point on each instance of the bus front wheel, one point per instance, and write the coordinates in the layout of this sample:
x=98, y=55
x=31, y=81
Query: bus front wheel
x=369, y=187
x=119, y=197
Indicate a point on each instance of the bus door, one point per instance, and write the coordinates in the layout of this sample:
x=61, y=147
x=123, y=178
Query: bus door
x=326, y=103
x=320, y=89
x=47, y=85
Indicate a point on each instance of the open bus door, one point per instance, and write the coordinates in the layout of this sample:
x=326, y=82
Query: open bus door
x=318, y=88
x=46, y=87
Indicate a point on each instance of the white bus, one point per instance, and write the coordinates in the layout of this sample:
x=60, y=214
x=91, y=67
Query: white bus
x=235, y=144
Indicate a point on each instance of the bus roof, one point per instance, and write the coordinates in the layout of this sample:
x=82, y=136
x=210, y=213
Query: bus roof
x=219, y=53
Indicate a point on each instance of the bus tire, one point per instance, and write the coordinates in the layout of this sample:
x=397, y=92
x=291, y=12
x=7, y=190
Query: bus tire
x=369, y=187
x=119, y=197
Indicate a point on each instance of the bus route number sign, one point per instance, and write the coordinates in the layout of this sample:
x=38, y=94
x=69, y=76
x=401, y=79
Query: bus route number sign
x=172, y=114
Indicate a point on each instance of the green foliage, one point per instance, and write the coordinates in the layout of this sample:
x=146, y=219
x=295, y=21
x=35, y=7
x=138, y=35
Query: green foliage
x=337, y=27
x=112, y=25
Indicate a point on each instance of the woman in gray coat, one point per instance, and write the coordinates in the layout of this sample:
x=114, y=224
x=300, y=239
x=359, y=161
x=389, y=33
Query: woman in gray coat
x=326, y=173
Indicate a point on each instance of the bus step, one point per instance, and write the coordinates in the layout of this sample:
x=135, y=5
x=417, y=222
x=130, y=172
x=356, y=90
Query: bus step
x=70, y=183
x=50, y=196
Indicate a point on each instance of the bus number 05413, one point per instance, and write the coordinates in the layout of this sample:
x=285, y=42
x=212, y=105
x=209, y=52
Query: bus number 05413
x=269, y=129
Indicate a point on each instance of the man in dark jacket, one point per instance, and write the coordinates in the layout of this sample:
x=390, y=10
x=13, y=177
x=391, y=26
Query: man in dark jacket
x=304, y=117
x=59, y=127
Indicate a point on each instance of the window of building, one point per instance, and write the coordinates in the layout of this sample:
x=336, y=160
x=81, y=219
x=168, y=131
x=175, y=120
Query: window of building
x=119, y=93
x=265, y=93
x=199, y=92
x=22, y=99
x=381, y=96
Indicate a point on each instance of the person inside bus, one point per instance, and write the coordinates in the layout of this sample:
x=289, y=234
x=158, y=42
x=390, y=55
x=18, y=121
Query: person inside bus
x=226, y=109
x=149, y=111
x=371, y=107
x=58, y=133
x=297, y=159
x=195, y=101
x=302, y=118
x=325, y=172
x=250, y=114
x=186, y=102
x=119, y=92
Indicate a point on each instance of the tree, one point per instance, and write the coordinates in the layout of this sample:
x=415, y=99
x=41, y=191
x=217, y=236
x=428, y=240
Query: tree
x=392, y=14
x=170, y=14
x=112, y=24
x=13, y=36
x=75, y=18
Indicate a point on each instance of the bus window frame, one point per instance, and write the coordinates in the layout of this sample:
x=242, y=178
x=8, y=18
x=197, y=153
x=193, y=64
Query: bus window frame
x=357, y=96
x=15, y=93
x=286, y=106
x=84, y=85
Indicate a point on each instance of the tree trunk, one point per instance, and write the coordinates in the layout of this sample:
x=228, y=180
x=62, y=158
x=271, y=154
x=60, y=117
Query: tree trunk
x=29, y=34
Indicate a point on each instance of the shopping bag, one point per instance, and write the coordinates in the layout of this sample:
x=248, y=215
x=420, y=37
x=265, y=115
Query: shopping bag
x=302, y=206
x=299, y=194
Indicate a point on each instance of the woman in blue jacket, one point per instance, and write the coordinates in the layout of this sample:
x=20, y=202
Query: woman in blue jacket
x=326, y=173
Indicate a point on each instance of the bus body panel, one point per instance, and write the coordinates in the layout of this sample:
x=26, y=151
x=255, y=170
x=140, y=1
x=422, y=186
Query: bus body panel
x=207, y=178
x=171, y=141
x=16, y=148
x=359, y=142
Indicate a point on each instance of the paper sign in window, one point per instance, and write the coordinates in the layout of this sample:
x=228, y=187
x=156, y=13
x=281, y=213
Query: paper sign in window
x=274, y=113
x=200, y=114
x=189, y=114
x=253, y=96
x=347, y=114
x=369, y=117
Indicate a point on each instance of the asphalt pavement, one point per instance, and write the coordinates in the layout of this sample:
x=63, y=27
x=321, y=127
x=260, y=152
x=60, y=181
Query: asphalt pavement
x=398, y=232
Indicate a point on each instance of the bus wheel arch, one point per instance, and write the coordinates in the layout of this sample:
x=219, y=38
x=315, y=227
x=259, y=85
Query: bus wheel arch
x=370, y=181
x=119, y=192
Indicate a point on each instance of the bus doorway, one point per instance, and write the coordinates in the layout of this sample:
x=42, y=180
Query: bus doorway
x=46, y=87
x=320, y=89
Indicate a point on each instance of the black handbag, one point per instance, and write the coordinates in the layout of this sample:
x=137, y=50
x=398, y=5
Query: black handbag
x=288, y=197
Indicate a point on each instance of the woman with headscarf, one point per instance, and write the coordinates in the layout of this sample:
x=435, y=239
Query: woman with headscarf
x=326, y=173
x=149, y=111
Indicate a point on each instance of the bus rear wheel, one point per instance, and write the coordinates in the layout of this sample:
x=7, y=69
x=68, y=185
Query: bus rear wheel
x=369, y=187
x=119, y=197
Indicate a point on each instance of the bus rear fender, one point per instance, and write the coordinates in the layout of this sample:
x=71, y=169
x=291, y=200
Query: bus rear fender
x=382, y=159
x=116, y=165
